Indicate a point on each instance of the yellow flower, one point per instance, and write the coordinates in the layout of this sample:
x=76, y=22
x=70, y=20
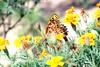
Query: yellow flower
x=88, y=38
x=97, y=13
x=25, y=38
x=55, y=61
x=37, y=39
x=71, y=10
x=71, y=19
x=59, y=36
x=98, y=24
x=3, y=43
x=43, y=54
x=22, y=41
x=98, y=4
x=18, y=43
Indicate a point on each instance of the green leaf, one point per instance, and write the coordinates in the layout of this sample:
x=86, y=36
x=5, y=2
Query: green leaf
x=3, y=5
x=7, y=53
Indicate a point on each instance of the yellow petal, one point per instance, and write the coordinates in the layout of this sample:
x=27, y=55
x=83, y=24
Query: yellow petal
x=2, y=47
x=48, y=62
x=57, y=58
x=71, y=10
x=18, y=43
x=92, y=43
x=54, y=65
x=75, y=22
x=59, y=36
x=66, y=21
x=61, y=63
x=82, y=41
x=91, y=35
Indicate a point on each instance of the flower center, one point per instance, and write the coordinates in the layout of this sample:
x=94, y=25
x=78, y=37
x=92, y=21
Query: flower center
x=87, y=40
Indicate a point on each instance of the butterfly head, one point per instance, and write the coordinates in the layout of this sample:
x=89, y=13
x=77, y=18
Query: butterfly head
x=54, y=17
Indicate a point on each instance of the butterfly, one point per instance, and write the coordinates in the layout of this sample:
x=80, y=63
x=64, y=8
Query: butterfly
x=54, y=25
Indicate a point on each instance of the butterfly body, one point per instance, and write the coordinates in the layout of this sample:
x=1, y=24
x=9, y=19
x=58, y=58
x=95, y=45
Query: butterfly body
x=55, y=26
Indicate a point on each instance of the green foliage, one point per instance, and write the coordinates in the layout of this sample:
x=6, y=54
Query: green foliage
x=3, y=5
x=17, y=10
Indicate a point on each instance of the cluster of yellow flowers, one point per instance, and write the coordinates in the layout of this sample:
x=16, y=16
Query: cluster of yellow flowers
x=22, y=41
x=88, y=38
x=3, y=43
x=71, y=17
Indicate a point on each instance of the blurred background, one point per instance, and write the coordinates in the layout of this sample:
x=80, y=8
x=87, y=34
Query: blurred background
x=21, y=17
